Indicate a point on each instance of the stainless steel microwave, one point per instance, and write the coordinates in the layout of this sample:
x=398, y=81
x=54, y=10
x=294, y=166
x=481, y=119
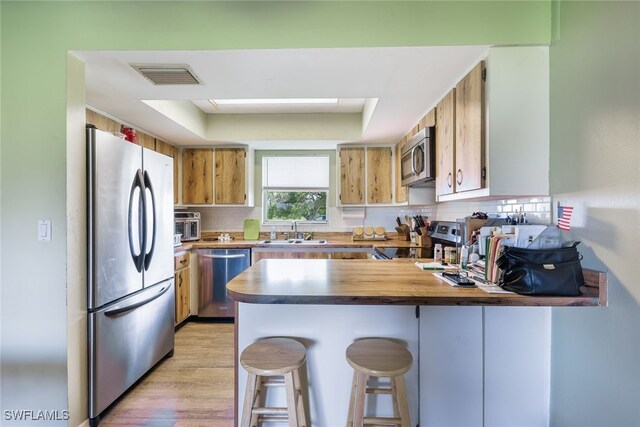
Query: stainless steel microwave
x=418, y=165
x=187, y=224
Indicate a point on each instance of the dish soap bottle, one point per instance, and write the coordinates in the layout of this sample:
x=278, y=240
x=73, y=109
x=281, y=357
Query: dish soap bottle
x=273, y=235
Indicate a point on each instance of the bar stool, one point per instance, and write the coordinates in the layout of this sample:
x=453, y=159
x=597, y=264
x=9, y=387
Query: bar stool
x=376, y=357
x=263, y=360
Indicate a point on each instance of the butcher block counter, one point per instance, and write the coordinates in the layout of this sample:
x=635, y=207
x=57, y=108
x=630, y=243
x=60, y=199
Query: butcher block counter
x=467, y=345
x=400, y=282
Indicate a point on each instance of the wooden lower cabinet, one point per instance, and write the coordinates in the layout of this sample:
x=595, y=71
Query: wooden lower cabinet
x=302, y=254
x=183, y=286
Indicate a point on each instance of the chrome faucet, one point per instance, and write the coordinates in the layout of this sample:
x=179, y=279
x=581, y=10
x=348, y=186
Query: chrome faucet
x=294, y=227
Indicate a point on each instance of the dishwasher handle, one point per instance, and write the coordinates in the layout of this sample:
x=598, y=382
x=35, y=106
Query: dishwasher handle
x=222, y=256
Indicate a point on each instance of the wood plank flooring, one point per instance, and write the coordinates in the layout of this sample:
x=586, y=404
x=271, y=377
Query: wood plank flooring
x=194, y=388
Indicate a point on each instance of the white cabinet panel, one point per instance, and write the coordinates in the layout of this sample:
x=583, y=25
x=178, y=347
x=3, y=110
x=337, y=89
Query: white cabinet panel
x=517, y=366
x=451, y=366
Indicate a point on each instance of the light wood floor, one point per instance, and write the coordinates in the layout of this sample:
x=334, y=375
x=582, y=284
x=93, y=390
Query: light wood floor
x=193, y=388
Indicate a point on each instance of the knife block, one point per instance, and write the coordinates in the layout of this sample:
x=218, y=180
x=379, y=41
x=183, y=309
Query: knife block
x=403, y=232
x=424, y=240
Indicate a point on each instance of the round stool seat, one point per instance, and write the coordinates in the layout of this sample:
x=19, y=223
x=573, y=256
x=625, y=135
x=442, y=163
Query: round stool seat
x=273, y=356
x=379, y=357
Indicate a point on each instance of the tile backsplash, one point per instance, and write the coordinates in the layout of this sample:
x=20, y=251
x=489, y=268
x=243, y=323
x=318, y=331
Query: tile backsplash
x=537, y=209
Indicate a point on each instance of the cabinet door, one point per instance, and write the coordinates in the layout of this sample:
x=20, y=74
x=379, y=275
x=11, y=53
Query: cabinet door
x=197, y=176
x=379, y=175
x=352, y=175
x=350, y=255
x=101, y=122
x=171, y=151
x=183, y=294
x=401, y=190
x=469, y=153
x=230, y=176
x=146, y=141
x=445, y=144
x=428, y=120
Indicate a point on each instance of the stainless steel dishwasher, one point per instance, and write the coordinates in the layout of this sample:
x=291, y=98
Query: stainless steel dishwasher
x=216, y=268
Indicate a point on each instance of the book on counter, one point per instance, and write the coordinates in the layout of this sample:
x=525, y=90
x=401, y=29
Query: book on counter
x=495, y=246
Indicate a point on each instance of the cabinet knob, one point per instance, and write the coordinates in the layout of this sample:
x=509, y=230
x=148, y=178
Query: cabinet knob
x=459, y=177
x=449, y=180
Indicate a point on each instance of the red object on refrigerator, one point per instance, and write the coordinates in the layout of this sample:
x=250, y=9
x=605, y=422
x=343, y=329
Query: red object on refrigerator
x=130, y=134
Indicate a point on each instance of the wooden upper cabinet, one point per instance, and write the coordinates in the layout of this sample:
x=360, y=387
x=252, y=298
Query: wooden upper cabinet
x=352, y=175
x=445, y=144
x=146, y=141
x=469, y=119
x=428, y=120
x=197, y=176
x=401, y=190
x=379, y=174
x=230, y=184
x=171, y=151
x=101, y=122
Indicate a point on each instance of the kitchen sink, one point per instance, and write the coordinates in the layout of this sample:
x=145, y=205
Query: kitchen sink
x=294, y=242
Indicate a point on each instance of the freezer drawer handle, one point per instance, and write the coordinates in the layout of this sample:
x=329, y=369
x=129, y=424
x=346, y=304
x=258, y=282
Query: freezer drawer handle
x=123, y=309
x=223, y=256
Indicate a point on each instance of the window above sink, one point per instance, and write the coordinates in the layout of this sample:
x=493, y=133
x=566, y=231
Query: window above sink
x=295, y=188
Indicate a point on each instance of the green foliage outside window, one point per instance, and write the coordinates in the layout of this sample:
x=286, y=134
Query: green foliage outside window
x=296, y=205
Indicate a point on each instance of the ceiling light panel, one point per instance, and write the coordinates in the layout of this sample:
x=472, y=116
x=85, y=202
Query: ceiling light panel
x=276, y=101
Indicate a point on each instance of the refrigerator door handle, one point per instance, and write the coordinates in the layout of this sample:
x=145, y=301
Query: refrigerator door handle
x=123, y=309
x=149, y=255
x=139, y=257
x=222, y=256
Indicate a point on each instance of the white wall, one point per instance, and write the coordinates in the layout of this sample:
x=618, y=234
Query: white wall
x=231, y=219
x=595, y=158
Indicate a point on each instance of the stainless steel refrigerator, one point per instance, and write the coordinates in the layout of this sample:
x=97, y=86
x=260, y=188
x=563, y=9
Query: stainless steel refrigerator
x=130, y=265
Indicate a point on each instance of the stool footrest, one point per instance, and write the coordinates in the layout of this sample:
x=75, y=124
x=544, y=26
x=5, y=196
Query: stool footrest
x=383, y=421
x=269, y=411
x=273, y=383
x=375, y=390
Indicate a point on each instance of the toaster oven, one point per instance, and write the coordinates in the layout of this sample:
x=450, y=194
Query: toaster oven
x=187, y=224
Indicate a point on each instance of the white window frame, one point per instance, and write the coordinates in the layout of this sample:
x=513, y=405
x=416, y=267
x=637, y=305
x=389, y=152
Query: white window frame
x=265, y=189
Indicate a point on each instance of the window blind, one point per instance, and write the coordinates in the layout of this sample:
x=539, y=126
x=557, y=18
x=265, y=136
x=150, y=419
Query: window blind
x=295, y=172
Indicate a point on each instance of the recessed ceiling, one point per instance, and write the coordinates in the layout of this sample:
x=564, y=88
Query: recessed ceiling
x=385, y=92
x=282, y=106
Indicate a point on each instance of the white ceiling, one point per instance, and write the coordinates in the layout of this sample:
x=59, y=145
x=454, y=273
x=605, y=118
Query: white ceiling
x=407, y=81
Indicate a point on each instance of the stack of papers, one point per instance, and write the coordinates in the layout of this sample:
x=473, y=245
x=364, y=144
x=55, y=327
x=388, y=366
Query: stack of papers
x=487, y=287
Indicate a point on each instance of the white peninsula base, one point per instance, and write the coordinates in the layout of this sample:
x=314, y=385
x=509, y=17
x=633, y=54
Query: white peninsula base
x=473, y=366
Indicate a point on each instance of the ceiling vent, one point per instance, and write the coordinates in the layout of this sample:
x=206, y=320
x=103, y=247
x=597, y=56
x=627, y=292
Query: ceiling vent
x=170, y=74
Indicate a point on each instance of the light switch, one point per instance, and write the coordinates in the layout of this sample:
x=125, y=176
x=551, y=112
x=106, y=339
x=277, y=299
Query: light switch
x=44, y=230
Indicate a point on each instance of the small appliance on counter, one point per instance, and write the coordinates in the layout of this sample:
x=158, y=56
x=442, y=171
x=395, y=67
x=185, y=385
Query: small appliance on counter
x=188, y=225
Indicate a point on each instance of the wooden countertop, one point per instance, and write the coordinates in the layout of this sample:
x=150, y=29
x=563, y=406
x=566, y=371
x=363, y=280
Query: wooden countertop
x=373, y=282
x=340, y=241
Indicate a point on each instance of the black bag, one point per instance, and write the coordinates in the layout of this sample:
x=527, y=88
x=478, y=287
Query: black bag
x=541, y=271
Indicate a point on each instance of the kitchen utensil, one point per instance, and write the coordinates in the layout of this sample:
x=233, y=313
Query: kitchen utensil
x=251, y=229
x=398, y=221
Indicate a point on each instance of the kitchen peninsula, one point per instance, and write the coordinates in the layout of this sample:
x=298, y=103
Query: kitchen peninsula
x=479, y=358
